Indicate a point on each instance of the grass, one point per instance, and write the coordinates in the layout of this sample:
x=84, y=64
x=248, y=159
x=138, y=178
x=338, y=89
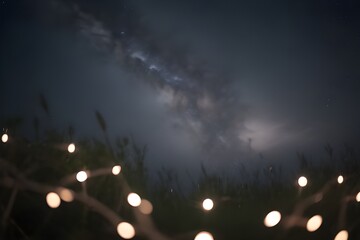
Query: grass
x=240, y=207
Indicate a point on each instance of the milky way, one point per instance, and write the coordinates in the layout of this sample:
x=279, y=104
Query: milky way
x=197, y=82
x=202, y=98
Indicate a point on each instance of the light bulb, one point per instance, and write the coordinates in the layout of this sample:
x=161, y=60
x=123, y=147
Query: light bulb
x=272, y=219
x=4, y=138
x=81, y=176
x=71, y=148
x=204, y=236
x=66, y=194
x=145, y=207
x=53, y=200
x=302, y=181
x=342, y=235
x=134, y=199
x=116, y=170
x=314, y=223
x=125, y=230
x=208, y=204
x=340, y=179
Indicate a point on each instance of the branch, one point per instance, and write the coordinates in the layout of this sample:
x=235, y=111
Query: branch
x=144, y=225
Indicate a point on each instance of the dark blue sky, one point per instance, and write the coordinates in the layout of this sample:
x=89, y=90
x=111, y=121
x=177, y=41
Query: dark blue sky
x=194, y=80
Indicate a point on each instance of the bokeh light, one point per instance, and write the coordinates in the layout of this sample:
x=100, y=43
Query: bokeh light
x=71, y=148
x=53, y=200
x=66, y=195
x=145, y=207
x=204, y=236
x=340, y=179
x=134, y=199
x=81, y=176
x=342, y=235
x=4, y=138
x=302, y=181
x=116, y=170
x=358, y=197
x=208, y=204
x=272, y=219
x=314, y=223
x=125, y=230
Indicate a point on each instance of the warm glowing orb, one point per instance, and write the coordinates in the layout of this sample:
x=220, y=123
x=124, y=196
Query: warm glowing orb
x=208, y=204
x=302, y=181
x=358, y=197
x=81, y=176
x=340, y=179
x=71, y=148
x=4, y=138
x=116, y=170
x=134, y=199
x=126, y=230
x=342, y=235
x=53, y=200
x=314, y=223
x=145, y=207
x=272, y=219
x=66, y=194
x=204, y=236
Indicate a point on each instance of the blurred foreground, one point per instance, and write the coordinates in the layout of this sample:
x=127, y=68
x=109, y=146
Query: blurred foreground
x=52, y=189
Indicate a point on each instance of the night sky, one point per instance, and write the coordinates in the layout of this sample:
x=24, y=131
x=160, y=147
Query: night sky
x=222, y=83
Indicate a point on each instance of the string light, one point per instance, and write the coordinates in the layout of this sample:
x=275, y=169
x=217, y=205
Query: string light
x=314, y=223
x=208, y=204
x=71, y=148
x=358, y=197
x=342, y=235
x=53, y=200
x=145, y=207
x=66, y=195
x=81, y=176
x=340, y=179
x=126, y=230
x=302, y=181
x=134, y=199
x=4, y=138
x=204, y=236
x=116, y=170
x=272, y=219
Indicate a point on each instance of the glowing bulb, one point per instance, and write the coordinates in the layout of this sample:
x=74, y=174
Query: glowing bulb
x=53, y=200
x=204, y=236
x=116, y=170
x=81, y=176
x=358, y=197
x=340, y=179
x=125, y=230
x=342, y=235
x=272, y=219
x=314, y=223
x=208, y=204
x=134, y=199
x=71, y=148
x=66, y=195
x=145, y=207
x=302, y=181
x=4, y=138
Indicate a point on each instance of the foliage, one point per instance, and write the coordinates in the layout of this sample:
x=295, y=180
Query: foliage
x=240, y=207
